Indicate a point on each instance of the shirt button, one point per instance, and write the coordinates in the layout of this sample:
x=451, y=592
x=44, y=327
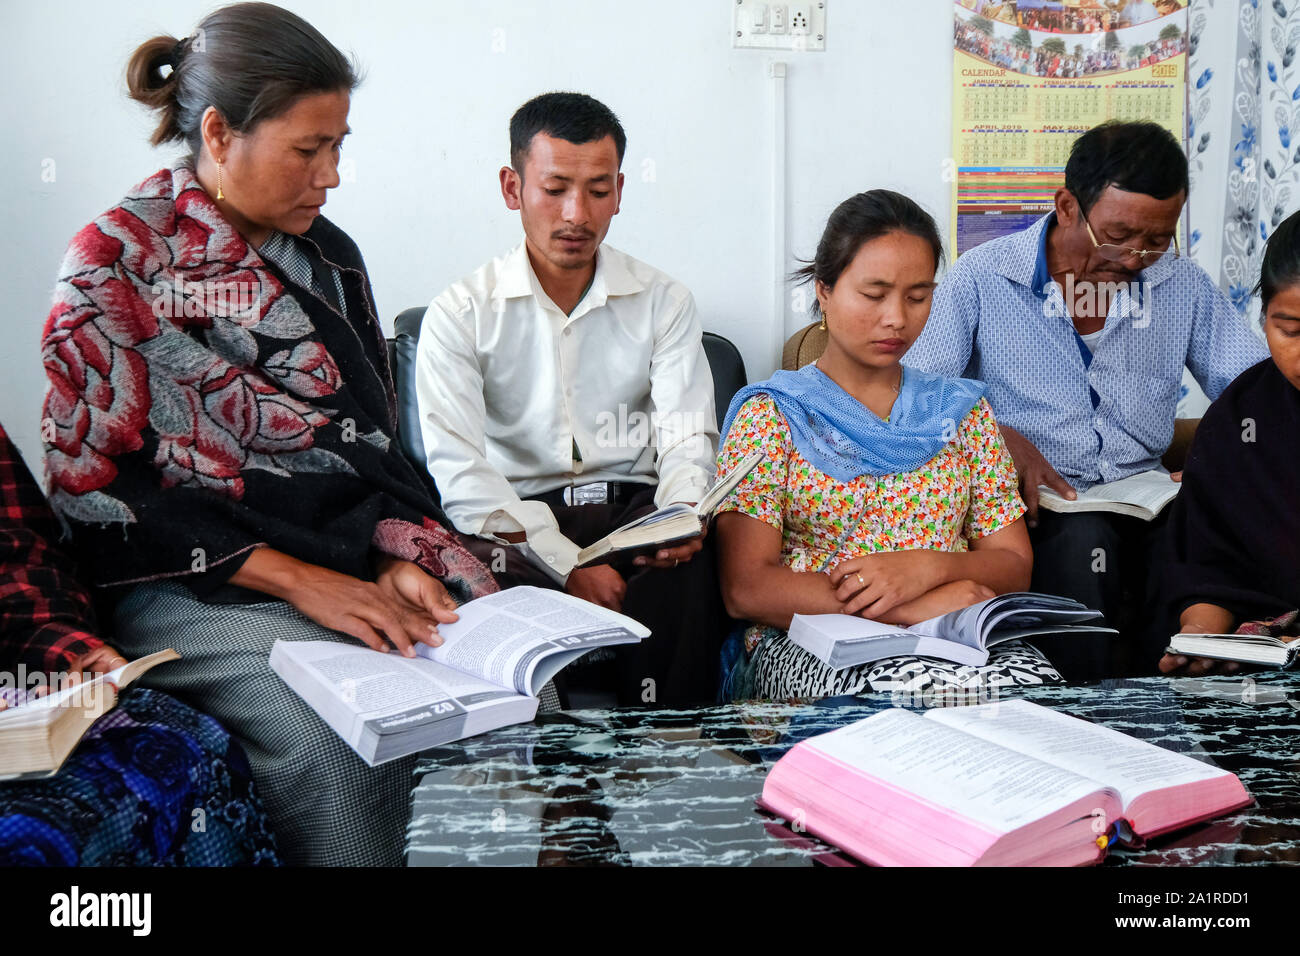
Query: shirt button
x=568, y=331
x=550, y=559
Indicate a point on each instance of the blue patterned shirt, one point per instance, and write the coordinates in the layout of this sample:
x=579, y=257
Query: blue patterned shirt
x=1096, y=415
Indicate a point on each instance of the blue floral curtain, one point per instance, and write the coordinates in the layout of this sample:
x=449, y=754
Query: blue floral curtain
x=1252, y=144
x=1244, y=154
x=1261, y=186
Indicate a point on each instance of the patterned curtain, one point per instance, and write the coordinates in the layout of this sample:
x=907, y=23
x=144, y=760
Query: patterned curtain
x=1265, y=172
x=1243, y=149
x=1244, y=102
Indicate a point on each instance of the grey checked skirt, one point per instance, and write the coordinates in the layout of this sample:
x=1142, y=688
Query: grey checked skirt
x=326, y=806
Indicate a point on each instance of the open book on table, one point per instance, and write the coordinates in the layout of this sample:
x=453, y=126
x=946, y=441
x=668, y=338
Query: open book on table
x=38, y=733
x=487, y=673
x=1002, y=784
x=1244, y=648
x=963, y=636
x=667, y=526
x=1143, y=495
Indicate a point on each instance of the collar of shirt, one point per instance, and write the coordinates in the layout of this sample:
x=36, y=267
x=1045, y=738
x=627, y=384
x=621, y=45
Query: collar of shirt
x=303, y=269
x=612, y=278
x=1042, y=278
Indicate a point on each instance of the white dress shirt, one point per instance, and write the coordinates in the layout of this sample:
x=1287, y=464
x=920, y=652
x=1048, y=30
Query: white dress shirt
x=508, y=386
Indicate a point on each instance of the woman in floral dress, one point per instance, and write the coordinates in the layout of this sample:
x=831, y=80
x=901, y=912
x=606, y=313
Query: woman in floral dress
x=883, y=492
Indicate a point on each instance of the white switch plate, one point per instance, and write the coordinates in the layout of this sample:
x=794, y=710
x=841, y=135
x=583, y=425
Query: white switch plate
x=758, y=25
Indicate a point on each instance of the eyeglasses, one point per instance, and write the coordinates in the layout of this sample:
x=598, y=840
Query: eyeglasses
x=1113, y=253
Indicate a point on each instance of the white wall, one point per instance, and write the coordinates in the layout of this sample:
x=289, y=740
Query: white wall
x=430, y=134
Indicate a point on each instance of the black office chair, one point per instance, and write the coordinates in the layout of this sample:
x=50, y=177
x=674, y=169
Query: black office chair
x=401, y=358
x=728, y=368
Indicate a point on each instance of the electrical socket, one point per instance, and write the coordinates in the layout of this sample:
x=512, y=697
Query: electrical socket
x=800, y=16
x=760, y=25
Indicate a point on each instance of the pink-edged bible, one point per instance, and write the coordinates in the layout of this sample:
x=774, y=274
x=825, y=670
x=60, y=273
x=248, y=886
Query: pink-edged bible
x=1003, y=784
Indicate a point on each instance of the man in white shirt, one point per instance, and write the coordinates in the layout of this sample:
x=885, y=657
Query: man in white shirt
x=563, y=389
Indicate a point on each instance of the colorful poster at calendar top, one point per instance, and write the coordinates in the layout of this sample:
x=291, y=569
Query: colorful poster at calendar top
x=1030, y=76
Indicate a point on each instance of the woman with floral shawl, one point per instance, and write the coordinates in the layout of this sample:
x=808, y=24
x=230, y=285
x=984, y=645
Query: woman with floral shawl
x=220, y=421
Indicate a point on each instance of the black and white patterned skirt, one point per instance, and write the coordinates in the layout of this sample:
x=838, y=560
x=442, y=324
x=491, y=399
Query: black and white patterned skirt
x=781, y=669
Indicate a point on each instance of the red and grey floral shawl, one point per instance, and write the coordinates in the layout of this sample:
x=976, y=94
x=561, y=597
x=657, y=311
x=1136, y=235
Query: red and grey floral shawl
x=201, y=406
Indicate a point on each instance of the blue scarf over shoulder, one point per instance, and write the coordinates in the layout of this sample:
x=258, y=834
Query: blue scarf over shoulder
x=844, y=439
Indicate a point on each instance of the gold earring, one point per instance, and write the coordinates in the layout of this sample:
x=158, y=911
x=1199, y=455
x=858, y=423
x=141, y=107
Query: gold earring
x=220, y=194
x=822, y=327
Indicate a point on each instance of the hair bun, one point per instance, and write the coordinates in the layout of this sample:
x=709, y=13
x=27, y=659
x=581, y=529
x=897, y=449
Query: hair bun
x=148, y=84
x=248, y=61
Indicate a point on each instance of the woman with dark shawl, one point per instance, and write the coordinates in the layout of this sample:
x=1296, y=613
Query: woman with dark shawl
x=1234, y=531
x=220, y=421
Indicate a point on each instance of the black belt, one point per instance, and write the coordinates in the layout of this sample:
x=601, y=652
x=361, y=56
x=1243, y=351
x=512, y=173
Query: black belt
x=593, y=493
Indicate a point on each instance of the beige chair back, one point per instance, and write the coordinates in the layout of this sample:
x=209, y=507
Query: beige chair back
x=803, y=347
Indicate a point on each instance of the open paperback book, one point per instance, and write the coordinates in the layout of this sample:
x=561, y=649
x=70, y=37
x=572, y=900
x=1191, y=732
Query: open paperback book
x=963, y=636
x=669, y=525
x=1143, y=495
x=1002, y=784
x=1244, y=648
x=487, y=673
x=38, y=733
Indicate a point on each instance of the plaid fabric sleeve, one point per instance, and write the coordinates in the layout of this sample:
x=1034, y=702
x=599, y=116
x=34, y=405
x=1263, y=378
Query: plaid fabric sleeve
x=46, y=616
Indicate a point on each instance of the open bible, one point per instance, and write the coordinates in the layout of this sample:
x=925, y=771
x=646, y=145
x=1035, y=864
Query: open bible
x=1143, y=495
x=1001, y=784
x=666, y=526
x=963, y=636
x=487, y=673
x=38, y=733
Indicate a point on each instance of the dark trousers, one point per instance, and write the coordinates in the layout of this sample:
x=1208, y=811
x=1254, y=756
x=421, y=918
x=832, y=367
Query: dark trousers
x=1111, y=563
x=678, y=664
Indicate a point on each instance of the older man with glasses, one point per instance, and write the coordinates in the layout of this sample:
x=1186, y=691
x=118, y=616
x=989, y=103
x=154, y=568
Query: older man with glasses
x=1080, y=326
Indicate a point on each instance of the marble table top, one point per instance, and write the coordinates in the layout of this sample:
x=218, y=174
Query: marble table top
x=626, y=787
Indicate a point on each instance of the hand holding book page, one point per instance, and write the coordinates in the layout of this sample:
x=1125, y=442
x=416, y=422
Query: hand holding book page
x=486, y=674
x=37, y=705
x=37, y=732
x=674, y=523
x=522, y=637
x=1143, y=495
x=963, y=636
